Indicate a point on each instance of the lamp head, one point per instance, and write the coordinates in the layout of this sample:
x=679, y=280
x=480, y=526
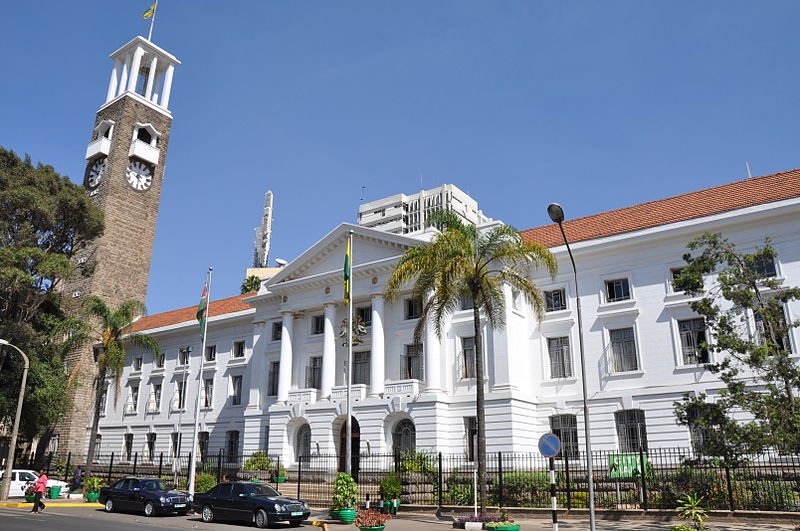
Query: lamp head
x=555, y=212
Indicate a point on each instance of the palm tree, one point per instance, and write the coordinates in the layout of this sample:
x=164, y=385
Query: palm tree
x=461, y=261
x=110, y=355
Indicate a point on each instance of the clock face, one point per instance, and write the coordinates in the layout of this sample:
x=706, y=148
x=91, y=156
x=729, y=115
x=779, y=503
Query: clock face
x=139, y=175
x=94, y=173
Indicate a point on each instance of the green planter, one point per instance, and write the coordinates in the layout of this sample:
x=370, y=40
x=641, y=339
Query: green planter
x=53, y=493
x=376, y=528
x=92, y=497
x=509, y=527
x=279, y=479
x=29, y=499
x=334, y=514
x=347, y=516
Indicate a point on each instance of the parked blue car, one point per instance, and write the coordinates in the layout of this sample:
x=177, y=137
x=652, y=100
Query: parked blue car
x=250, y=502
x=147, y=495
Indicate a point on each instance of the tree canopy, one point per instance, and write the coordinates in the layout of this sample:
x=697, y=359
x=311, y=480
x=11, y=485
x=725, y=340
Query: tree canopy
x=744, y=305
x=45, y=219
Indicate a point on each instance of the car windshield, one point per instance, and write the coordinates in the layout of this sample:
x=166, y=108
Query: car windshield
x=152, y=484
x=254, y=489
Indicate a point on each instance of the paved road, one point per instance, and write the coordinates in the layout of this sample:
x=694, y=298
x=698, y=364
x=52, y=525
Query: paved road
x=88, y=519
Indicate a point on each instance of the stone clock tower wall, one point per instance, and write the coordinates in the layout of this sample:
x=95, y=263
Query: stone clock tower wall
x=131, y=130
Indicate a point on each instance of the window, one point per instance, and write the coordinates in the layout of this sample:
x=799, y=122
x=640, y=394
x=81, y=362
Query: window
x=623, y=350
x=566, y=427
x=782, y=330
x=361, y=367
x=365, y=314
x=175, y=443
x=202, y=445
x=183, y=357
x=317, y=324
x=404, y=436
x=303, y=442
x=468, y=355
x=128, y=450
x=277, y=330
x=159, y=361
x=631, y=430
x=211, y=353
x=137, y=364
x=764, y=267
x=413, y=308
x=618, y=290
x=155, y=405
x=471, y=428
x=238, y=349
x=466, y=302
x=412, y=362
x=98, y=445
x=560, y=359
x=180, y=391
x=133, y=399
x=208, y=392
x=236, y=390
x=151, y=446
x=103, y=400
x=555, y=300
x=272, y=382
x=232, y=445
x=515, y=299
x=693, y=338
x=314, y=373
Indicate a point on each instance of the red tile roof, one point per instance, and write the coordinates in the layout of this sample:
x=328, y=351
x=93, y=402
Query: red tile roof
x=733, y=196
x=219, y=307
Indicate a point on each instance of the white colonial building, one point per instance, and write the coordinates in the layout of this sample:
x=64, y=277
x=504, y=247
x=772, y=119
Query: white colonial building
x=274, y=378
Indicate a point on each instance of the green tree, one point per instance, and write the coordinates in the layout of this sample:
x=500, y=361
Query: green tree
x=462, y=261
x=111, y=335
x=45, y=220
x=743, y=304
x=250, y=284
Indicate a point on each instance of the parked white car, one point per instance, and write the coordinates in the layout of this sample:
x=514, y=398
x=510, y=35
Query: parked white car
x=20, y=479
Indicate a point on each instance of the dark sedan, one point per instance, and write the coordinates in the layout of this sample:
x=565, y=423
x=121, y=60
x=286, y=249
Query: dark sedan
x=250, y=502
x=147, y=495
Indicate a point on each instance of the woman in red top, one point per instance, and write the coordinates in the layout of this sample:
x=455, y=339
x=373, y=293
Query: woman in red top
x=40, y=486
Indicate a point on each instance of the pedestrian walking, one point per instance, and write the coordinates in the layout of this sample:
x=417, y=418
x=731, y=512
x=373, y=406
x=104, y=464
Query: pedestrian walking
x=77, y=477
x=40, y=486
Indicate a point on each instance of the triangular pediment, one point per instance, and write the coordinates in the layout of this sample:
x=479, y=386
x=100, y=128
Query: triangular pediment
x=326, y=257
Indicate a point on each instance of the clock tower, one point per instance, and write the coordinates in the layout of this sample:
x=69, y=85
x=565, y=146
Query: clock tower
x=125, y=161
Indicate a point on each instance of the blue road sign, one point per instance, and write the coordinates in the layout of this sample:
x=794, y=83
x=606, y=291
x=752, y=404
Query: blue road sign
x=549, y=445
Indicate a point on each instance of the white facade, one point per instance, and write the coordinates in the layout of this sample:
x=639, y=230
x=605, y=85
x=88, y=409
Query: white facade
x=403, y=214
x=293, y=379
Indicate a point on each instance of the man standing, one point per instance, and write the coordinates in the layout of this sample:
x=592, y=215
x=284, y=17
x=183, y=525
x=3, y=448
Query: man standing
x=40, y=487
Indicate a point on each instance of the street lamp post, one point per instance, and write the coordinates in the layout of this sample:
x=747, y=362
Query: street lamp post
x=13, y=442
x=556, y=214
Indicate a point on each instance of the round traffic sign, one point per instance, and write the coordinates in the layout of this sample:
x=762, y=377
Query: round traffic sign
x=549, y=445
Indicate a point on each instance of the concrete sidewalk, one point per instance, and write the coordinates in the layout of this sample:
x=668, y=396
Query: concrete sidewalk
x=17, y=503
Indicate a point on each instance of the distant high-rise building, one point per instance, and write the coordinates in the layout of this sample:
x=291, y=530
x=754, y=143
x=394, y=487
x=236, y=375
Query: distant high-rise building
x=402, y=214
x=263, y=234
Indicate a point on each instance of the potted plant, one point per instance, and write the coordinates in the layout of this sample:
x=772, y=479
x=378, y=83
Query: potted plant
x=279, y=474
x=504, y=523
x=369, y=520
x=390, y=492
x=30, y=493
x=345, y=497
x=91, y=488
x=258, y=462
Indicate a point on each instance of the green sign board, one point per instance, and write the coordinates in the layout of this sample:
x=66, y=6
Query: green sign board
x=625, y=465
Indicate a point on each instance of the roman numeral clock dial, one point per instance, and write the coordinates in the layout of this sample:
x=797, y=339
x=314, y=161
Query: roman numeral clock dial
x=139, y=175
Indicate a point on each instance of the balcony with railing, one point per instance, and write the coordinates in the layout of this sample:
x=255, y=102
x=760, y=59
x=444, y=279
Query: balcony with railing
x=144, y=151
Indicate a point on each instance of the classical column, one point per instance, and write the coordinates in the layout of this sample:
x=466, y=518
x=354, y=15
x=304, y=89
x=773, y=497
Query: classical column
x=433, y=370
x=285, y=371
x=151, y=76
x=328, y=376
x=123, y=79
x=167, y=88
x=377, y=355
x=133, y=75
x=112, y=83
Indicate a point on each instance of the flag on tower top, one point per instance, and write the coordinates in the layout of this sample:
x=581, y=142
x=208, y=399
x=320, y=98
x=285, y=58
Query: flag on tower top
x=151, y=10
x=202, y=309
x=347, y=271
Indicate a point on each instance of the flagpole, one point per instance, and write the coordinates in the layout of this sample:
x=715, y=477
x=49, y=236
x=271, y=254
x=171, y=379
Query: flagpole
x=193, y=460
x=152, y=21
x=349, y=444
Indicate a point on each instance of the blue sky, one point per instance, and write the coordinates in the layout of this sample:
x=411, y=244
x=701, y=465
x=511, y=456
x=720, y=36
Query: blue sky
x=596, y=105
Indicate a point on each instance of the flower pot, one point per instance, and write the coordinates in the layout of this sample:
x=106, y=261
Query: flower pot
x=29, y=499
x=92, y=497
x=508, y=527
x=473, y=525
x=279, y=479
x=375, y=528
x=53, y=493
x=347, y=516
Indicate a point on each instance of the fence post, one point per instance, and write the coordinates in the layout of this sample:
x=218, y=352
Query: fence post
x=66, y=468
x=299, y=473
x=219, y=466
x=643, y=473
x=569, y=485
x=135, y=462
x=731, y=505
x=500, y=478
x=160, y=463
x=110, y=466
x=440, y=480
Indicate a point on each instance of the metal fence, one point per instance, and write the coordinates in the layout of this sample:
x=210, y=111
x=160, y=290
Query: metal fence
x=768, y=482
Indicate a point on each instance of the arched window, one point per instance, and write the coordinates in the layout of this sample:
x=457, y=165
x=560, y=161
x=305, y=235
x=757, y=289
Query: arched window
x=144, y=135
x=404, y=436
x=303, y=447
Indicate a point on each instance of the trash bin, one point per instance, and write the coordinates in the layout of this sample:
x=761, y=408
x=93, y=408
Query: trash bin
x=53, y=492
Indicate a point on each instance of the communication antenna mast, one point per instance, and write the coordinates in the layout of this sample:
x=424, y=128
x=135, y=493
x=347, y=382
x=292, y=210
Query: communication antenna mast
x=747, y=165
x=263, y=234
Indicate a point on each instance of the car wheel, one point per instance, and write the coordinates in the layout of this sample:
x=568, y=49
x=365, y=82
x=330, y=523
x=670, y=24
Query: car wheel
x=109, y=505
x=207, y=514
x=262, y=519
x=149, y=509
x=295, y=523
